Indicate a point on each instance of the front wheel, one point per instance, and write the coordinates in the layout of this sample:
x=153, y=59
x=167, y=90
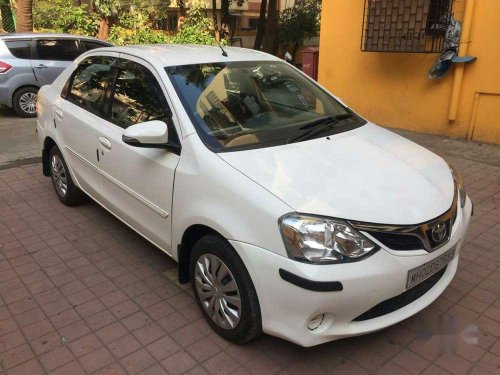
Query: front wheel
x=224, y=290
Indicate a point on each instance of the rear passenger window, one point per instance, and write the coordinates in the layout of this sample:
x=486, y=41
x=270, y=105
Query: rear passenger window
x=56, y=49
x=89, y=83
x=19, y=48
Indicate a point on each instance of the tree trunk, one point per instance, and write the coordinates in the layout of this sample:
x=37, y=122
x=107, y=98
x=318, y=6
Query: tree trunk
x=216, y=22
x=261, y=28
x=181, y=4
x=24, y=16
x=296, y=47
x=225, y=19
x=271, y=27
x=104, y=26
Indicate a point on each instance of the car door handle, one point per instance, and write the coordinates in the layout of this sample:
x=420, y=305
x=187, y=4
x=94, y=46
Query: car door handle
x=41, y=66
x=105, y=143
x=59, y=114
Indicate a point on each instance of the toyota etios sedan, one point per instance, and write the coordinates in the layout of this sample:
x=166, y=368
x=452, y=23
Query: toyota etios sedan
x=288, y=212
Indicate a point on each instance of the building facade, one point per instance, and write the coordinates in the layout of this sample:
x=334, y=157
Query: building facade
x=376, y=55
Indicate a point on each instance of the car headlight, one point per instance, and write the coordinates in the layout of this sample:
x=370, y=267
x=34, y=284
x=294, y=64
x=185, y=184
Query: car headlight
x=322, y=240
x=459, y=181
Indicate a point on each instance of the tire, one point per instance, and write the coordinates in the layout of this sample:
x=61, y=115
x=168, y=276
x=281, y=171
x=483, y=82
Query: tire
x=67, y=192
x=24, y=101
x=217, y=251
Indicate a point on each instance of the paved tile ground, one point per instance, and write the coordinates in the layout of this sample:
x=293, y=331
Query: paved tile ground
x=18, y=140
x=83, y=294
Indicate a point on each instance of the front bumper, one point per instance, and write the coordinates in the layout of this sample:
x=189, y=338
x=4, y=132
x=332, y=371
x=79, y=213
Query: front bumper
x=287, y=308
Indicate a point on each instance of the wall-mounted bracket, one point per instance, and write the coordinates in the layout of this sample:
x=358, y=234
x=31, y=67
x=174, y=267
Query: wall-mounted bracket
x=463, y=59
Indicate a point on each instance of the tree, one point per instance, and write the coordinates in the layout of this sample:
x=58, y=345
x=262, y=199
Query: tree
x=261, y=28
x=181, y=4
x=24, y=16
x=155, y=10
x=63, y=16
x=225, y=18
x=214, y=15
x=297, y=23
x=107, y=11
x=271, y=26
x=226, y=25
x=197, y=28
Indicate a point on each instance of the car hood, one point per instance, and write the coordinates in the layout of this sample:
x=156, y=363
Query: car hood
x=367, y=174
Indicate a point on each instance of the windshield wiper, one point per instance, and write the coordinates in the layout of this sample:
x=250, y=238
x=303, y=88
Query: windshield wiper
x=326, y=120
x=319, y=125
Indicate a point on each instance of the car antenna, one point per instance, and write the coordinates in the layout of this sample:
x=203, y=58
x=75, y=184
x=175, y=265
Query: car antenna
x=224, y=53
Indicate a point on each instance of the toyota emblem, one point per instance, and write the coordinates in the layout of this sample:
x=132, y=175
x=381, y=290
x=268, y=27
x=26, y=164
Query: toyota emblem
x=438, y=233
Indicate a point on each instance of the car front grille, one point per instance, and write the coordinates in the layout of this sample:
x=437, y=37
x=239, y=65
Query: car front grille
x=413, y=237
x=397, y=241
x=395, y=303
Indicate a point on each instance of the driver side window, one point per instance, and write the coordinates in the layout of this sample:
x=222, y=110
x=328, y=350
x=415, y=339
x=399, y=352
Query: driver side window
x=137, y=97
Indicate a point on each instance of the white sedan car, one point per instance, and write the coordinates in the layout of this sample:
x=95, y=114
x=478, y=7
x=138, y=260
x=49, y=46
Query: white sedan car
x=288, y=212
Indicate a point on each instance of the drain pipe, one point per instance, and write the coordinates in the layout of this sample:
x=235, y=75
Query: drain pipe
x=459, y=68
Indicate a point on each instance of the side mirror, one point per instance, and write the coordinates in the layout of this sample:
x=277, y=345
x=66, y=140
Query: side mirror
x=150, y=134
x=153, y=134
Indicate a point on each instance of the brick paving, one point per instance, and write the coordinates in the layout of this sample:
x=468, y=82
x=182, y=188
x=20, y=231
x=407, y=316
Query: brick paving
x=80, y=293
x=18, y=140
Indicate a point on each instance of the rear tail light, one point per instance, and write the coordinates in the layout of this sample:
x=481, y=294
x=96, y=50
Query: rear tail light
x=4, y=67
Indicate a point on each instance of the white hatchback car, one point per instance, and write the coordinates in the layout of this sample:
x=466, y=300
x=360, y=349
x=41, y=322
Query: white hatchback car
x=287, y=212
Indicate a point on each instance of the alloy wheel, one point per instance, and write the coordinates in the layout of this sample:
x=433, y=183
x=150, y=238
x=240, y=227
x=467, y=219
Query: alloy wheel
x=27, y=102
x=218, y=291
x=59, y=175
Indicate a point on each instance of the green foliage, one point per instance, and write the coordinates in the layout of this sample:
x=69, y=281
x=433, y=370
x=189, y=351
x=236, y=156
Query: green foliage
x=196, y=29
x=144, y=35
x=134, y=27
x=107, y=8
x=155, y=9
x=63, y=16
x=298, y=23
x=131, y=20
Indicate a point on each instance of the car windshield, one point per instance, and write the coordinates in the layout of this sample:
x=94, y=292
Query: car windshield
x=250, y=104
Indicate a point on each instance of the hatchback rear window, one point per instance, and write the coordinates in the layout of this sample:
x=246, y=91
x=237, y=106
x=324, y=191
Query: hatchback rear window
x=92, y=45
x=19, y=48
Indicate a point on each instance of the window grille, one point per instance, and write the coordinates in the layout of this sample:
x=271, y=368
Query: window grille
x=405, y=25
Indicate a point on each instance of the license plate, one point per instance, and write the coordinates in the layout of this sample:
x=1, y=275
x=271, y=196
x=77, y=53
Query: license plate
x=423, y=272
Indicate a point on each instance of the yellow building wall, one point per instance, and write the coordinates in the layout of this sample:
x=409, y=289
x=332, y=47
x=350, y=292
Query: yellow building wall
x=392, y=89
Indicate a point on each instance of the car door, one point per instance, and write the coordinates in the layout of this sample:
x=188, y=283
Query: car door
x=77, y=118
x=139, y=181
x=50, y=56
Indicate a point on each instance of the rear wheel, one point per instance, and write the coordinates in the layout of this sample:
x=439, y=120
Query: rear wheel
x=67, y=192
x=24, y=101
x=224, y=290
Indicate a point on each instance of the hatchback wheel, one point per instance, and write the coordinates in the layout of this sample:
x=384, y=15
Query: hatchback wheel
x=24, y=102
x=224, y=290
x=67, y=192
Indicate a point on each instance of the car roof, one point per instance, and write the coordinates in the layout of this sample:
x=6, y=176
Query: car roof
x=184, y=54
x=47, y=35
